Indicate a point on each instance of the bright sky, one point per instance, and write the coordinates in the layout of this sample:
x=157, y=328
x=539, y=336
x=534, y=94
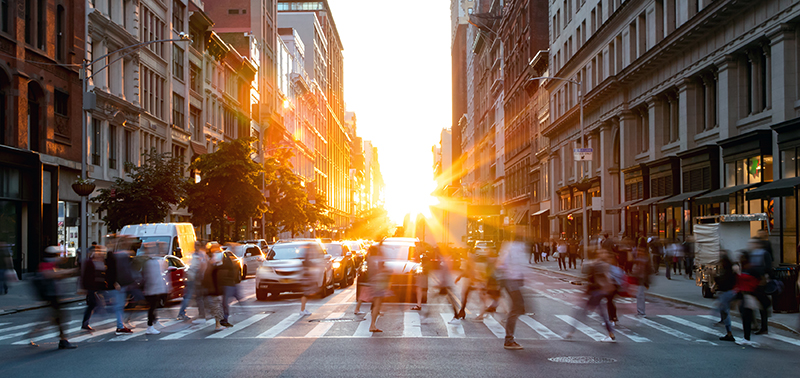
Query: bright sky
x=397, y=81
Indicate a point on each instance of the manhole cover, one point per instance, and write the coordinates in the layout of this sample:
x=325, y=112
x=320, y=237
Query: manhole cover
x=582, y=360
x=333, y=320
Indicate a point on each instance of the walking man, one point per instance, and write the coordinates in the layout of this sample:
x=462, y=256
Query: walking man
x=93, y=279
x=511, y=263
x=194, y=286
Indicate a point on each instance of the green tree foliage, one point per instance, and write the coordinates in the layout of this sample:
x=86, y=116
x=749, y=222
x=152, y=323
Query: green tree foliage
x=287, y=195
x=229, y=188
x=372, y=224
x=154, y=186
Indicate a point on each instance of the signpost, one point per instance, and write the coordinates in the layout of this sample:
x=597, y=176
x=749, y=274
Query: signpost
x=583, y=154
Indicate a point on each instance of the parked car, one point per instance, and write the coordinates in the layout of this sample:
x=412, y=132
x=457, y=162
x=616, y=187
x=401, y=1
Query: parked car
x=484, y=249
x=251, y=255
x=344, y=266
x=283, y=270
x=261, y=243
x=179, y=237
x=403, y=264
x=358, y=252
x=237, y=262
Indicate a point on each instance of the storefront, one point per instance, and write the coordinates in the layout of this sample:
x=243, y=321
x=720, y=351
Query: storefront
x=21, y=206
x=539, y=223
x=637, y=188
x=664, y=221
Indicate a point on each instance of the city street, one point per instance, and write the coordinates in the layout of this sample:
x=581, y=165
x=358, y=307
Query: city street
x=271, y=339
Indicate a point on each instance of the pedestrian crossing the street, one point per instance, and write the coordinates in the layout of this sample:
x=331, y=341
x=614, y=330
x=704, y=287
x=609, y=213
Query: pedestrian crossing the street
x=397, y=323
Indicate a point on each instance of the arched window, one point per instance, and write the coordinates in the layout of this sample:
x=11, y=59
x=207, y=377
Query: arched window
x=61, y=36
x=35, y=118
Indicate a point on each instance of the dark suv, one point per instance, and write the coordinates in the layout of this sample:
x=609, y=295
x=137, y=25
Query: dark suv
x=344, y=267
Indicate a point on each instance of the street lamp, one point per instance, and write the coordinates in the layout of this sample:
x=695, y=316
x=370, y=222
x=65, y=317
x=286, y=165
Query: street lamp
x=88, y=104
x=585, y=192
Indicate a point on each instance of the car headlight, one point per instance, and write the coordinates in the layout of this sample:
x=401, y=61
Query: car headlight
x=336, y=265
x=418, y=270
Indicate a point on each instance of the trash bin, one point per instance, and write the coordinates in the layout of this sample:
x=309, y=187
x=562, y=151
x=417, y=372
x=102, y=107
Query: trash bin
x=786, y=302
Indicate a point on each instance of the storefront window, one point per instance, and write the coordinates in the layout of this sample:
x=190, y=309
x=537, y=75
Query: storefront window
x=790, y=231
x=68, y=226
x=789, y=163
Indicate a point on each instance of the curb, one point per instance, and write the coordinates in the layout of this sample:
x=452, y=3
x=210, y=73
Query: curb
x=36, y=307
x=678, y=300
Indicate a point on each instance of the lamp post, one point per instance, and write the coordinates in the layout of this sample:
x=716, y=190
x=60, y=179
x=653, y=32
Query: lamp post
x=88, y=104
x=585, y=222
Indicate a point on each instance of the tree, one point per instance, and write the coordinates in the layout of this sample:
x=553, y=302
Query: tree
x=372, y=224
x=287, y=195
x=317, y=212
x=228, y=189
x=153, y=187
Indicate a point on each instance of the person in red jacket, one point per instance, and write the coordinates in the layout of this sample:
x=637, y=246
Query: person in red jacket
x=746, y=286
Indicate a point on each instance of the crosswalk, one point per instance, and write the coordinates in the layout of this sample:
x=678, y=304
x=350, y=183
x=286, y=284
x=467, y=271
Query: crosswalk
x=695, y=329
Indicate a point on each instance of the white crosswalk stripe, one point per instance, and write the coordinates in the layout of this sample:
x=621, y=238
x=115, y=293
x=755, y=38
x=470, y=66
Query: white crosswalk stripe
x=55, y=334
x=140, y=331
x=586, y=330
x=689, y=324
x=323, y=327
x=496, y=328
x=622, y=331
x=14, y=328
x=188, y=331
x=769, y=335
x=280, y=327
x=539, y=328
x=100, y=333
x=363, y=327
x=238, y=327
x=669, y=331
x=411, y=325
x=453, y=330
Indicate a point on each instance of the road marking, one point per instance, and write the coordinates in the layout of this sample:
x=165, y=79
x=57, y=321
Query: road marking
x=140, y=331
x=559, y=300
x=100, y=333
x=55, y=334
x=2, y=324
x=323, y=327
x=412, y=326
x=453, y=330
x=363, y=327
x=622, y=330
x=14, y=328
x=238, y=327
x=539, y=328
x=280, y=327
x=689, y=324
x=665, y=329
x=769, y=335
x=496, y=328
x=586, y=330
x=188, y=331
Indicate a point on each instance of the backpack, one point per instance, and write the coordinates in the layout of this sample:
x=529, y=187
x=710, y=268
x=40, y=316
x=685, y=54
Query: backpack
x=617, y=276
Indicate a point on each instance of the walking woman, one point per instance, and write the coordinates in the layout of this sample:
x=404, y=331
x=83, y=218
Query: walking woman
x=155, y=284
x=600, y=286
x=212, y=286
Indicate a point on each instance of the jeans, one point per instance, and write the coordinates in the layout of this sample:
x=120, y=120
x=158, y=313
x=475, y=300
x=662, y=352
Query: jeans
x=724, y=304
x=92, y=301
x=228, y=293
x=562, y=262
x=747, y=321
x=667, y=263
x=612, y=308
x=120, y=297
x=514, y=289
x=193, y=289
x=677, y=265
x=689, y=262
x=640, y=300
x=573, y=261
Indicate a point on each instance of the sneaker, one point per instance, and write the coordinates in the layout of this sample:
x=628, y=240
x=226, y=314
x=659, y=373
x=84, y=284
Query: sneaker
x=454, y=321
x=727, y=338
x=305, y=313
x=151, y=330
x=90, y=329
x=743, y=342
x=123, y=331
x=512, y=345
x=567, y=336
x=226, y=323
x=357, y=313
x=609, y=339
x=158, y=325
x=183, y=318
x=198, y=321
x=64, y=344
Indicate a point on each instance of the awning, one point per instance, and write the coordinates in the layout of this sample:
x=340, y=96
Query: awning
x=780, y=188
x=521, y=218
x=540, y=212
x=625, y=204
x=678, y=199
x=721, y=195
x=198, y=149
x=650, y=201
x=562, y=213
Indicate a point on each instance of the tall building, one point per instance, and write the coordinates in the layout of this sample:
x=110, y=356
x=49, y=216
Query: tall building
x=324, y=61
x=373, y=179
x=40, y=127
x=688, y=106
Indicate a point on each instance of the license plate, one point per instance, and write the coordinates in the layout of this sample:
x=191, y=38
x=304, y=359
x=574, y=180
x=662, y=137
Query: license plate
x=285, y=280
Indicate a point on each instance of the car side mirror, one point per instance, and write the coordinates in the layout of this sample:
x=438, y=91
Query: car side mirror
x=178, y=253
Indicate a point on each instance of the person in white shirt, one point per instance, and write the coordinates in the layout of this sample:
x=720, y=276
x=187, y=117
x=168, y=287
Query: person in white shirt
x=511, y=266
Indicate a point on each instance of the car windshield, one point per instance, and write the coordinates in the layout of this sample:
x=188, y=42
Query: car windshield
x=396, y=251
x=354, y=246
x=288, y=251
x=335, y=250
x=150, y=239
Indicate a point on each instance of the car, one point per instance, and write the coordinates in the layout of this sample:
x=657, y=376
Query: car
x=344, y=266
x=403, y=264
x=283, y=269
x=237, y=262
x=485, y=248
x=251, y=255
x=261, y=243
x=176, y=272
x=178, y=237
x=358, y=252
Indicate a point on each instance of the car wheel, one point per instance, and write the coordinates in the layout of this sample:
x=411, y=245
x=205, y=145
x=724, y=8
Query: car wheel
x=261, y=295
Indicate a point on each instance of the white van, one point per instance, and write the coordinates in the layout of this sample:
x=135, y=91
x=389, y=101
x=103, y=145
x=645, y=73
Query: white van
x=179, y=237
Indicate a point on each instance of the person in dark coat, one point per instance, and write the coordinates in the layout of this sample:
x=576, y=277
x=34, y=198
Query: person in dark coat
x=725, y=280
x=93, y=279
x=212, y=285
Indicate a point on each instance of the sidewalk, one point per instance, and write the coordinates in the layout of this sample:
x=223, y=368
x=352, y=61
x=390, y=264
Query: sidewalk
x=21, y=296
x=678, y=289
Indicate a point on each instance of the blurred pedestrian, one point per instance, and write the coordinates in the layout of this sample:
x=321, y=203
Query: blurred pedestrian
x=230, y=277
x=725, y=282
x=469, y=275
x=511, y=266
x=572, y=254
x=491, y=287
x=46, y=283
x=677, y=257
x=746, y=286
x=155, y=284
x=688, y=255
x=600, y=286
x=656, y=252
x=7, y=271
x=761, y=268
x=421, y=280
x=561, y=255
x=119, y=277
x=378, y=284
x=641, y=275
x=194, y=284
x=310, y=286
x=212, y=286
x=93, y=280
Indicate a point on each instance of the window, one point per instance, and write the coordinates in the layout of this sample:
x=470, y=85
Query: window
x=128, y=148
x=112, y=146
x=697, y=179
x=177, y=15
x=535, y=187
x=152, y=92
x=152, y=30
x=60, y=33
x=95, y=140
x=61, y=103
x=5, y=16
x=29, y=21
x=195, y=122
x=178, y=115
x=41, y=24
x=195, y=77
x=177, y=62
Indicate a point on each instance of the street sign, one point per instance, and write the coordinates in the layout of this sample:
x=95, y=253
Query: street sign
x=582, y=154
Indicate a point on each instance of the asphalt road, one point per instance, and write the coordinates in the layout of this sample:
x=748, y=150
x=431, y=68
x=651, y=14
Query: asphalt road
x=271, y=339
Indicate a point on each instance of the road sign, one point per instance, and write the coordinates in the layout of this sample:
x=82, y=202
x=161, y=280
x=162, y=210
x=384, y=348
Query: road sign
x=582, y=154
